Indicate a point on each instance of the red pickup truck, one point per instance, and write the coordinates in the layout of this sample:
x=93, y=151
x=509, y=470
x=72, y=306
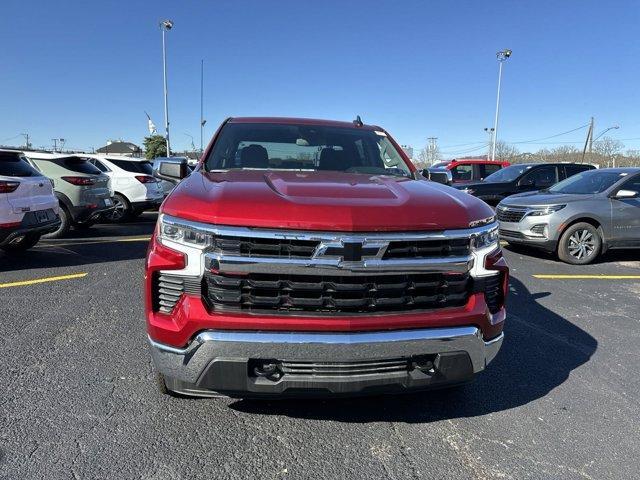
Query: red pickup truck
x=310, y=257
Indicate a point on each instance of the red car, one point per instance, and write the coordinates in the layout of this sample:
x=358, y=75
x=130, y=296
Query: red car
x=310, y=257
x=471, y=169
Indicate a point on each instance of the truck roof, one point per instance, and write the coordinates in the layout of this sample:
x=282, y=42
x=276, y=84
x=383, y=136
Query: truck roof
x=300, y=121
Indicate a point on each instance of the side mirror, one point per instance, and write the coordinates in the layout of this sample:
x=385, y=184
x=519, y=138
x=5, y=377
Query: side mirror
x=621, y=194
x=172, y=169
x=439, y=176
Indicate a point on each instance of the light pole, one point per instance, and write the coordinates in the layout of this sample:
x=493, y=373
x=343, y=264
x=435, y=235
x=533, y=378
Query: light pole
x=165, y=26
x=490, y=132
x=615, y=127
x=502, y=55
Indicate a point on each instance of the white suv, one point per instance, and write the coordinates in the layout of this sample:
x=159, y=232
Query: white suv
x=28, y=206
x=136, y=189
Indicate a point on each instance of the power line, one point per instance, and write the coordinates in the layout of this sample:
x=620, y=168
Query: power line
x=552, y=136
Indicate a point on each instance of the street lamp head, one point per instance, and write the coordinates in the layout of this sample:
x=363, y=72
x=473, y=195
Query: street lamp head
x=166, y=24
x=502, y=55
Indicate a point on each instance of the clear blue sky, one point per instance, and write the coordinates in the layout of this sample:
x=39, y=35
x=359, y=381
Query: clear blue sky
x=87, y=71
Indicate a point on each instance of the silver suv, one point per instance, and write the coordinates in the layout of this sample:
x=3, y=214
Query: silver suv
x=579, y=218
x=84, y=192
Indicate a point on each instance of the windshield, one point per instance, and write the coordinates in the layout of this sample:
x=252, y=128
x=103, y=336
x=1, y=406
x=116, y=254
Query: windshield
x=591, y=181
x=508, y=174
x=261, y=146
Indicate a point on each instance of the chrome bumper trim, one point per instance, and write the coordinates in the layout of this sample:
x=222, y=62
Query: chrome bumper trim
x=187, y=364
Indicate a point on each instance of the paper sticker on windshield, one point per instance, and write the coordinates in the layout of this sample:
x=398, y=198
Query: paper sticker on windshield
x=382, y=134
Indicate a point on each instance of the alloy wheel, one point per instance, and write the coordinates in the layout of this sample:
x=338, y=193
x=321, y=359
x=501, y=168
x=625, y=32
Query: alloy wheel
x=582, y=244
x=118, y=211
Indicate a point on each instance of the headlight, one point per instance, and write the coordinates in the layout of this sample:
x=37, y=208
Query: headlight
x=182, y=232
x=485, y=239
x=470, y=191
x=539, y=212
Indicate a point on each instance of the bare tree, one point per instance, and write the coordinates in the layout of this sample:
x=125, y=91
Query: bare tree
x=504, y=151
x=428, y=156
x=608, y=148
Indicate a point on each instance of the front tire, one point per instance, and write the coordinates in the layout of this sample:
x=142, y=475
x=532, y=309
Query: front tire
x=580, y=244
x=25, y=243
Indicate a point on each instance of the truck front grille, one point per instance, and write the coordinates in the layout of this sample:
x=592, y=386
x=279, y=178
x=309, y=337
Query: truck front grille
x=264, y=247
x=301, y=249
x=427, y=248
x=349, y=294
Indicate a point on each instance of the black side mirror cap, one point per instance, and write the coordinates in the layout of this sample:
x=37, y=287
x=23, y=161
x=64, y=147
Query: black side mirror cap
x=172, y=169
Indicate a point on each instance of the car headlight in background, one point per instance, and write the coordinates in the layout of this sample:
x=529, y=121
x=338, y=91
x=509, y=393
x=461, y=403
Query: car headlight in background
x=539, y=212
x=172, y=229
x=485, y=239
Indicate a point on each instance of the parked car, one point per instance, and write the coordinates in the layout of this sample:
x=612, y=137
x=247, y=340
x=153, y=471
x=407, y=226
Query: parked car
x=578, y=218
x=28, y=207
x=82, y=190
x=135, y=187
x=310, y=257
x=520, y=178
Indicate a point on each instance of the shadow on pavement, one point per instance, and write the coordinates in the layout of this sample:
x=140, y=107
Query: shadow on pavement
x=539, y=352
x=99, y=244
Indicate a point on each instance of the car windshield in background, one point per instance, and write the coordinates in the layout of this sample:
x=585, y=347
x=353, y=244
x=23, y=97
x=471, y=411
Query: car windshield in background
x=13, y=165
x=305, y=147
x=507, y=174
x=135, y=167
x=592, y=181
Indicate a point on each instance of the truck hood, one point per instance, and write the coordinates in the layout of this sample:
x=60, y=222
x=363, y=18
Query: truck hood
x=329, y=201
x=542, y=198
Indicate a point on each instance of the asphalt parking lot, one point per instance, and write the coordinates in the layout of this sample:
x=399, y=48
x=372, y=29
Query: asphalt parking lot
x=562, y=399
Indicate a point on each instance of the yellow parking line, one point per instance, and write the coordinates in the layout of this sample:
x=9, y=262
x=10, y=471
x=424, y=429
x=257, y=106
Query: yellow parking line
x=42, y=280
x=588, y=277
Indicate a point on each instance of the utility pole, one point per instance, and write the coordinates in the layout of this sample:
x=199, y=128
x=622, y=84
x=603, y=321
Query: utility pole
x=589, y=141
x=26, y=137
x=432, y=148
x=502, y=57
x=55, y=144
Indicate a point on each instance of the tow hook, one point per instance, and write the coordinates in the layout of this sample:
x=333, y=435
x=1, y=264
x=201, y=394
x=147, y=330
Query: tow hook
x=425, y=365
x=270, y=371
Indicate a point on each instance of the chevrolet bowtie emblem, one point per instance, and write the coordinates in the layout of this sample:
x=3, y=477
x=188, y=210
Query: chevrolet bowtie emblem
x=351, y=251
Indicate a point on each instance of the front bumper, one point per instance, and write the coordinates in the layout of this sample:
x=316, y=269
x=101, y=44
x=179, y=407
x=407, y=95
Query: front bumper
x=225, y=362
x=521, y=233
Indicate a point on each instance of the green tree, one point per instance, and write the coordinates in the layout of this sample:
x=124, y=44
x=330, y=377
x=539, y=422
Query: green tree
x=155, y=146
